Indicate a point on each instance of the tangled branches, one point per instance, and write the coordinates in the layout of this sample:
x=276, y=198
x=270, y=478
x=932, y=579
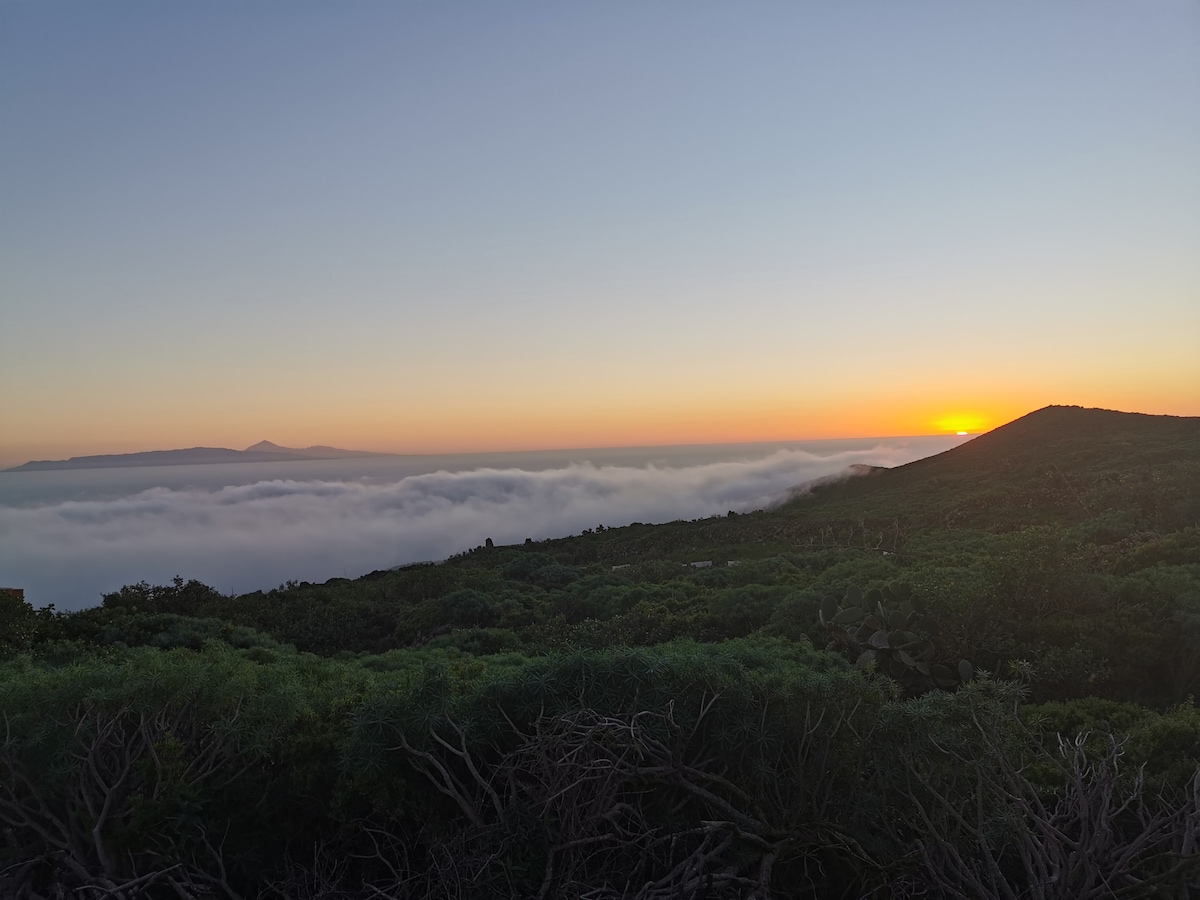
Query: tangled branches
x=993, y=829
x=609, y=806
x=74, y=835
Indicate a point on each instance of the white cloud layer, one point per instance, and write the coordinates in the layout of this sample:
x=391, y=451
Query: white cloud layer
x=255, y=536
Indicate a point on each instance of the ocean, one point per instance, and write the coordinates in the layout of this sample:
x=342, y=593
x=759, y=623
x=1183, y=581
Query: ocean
x=70, y=536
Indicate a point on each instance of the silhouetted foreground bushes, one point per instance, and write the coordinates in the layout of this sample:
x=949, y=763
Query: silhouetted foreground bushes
x=755, y=767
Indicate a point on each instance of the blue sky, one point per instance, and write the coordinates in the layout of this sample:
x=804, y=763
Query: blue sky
x=485, y=226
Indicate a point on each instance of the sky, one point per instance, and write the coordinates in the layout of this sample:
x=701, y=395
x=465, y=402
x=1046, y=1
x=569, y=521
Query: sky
x=439, y=227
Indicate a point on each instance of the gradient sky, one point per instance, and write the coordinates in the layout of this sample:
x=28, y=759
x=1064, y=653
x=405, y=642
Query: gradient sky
x=426, y=227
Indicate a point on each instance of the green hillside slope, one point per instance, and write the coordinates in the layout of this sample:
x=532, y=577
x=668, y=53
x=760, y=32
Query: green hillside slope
x=1059, y=464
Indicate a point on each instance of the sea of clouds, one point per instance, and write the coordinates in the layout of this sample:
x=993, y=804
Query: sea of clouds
x=255, y=536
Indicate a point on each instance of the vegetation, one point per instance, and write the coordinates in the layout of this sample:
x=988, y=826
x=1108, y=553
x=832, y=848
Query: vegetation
x=968, y=676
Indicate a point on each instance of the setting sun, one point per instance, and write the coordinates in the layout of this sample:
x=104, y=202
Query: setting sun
x=961, y=423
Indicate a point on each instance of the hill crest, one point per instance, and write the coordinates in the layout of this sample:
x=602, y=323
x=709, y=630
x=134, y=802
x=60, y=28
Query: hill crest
x=1065, y=462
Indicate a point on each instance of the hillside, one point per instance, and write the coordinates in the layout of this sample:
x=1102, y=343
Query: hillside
x=1107, y=474
x=1059, y=464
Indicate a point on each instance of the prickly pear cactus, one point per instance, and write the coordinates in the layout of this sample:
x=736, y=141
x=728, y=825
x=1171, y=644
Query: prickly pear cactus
x=888, y=631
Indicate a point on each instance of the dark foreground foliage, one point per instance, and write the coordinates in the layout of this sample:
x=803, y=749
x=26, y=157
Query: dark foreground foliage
x=970, y=676
x=754, y=767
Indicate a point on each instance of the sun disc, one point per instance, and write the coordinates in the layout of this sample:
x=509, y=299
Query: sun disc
x=960, y=423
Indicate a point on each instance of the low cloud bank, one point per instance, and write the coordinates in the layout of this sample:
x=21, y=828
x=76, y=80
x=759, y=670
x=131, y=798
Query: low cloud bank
x=256, y=536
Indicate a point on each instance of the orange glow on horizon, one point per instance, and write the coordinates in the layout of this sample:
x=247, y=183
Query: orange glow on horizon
x=487, y=423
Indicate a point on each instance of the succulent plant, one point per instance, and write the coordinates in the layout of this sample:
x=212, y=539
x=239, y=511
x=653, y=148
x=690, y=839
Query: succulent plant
x=889, y=631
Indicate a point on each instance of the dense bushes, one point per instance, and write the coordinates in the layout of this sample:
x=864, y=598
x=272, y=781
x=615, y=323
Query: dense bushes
x=751, y=767
x=139, y=769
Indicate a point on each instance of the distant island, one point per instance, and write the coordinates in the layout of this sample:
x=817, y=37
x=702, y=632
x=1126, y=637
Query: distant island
x=263, y=451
